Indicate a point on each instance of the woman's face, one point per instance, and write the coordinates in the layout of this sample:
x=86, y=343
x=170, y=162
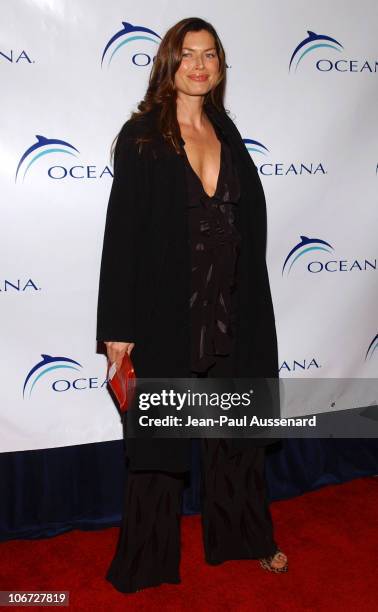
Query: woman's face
x=199, y=69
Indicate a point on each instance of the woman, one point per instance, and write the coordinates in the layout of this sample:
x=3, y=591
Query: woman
x=184, y=289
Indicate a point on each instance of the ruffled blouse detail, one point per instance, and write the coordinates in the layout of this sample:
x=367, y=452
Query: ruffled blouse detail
x=215, y=245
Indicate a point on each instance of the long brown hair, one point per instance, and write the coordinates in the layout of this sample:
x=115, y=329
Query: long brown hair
x=161, y=94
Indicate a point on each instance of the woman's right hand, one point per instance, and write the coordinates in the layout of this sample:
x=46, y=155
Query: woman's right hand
x=117, y=350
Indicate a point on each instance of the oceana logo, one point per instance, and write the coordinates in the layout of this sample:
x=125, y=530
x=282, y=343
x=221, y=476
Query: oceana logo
x=372, y=348
x=60, y=366
x=15, y=56
x=300, y=254
x=130, y=34
x=18, y=285
x=307, y=49
x=52, y=147
x=299, y=365
x=274, y=168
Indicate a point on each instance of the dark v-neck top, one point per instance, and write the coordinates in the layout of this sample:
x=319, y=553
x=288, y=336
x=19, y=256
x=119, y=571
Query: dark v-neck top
x=215, y=245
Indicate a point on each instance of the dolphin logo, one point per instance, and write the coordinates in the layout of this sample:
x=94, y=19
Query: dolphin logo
x=372, y=347
x=40, y=148
x=306, y=245
x=47, y=364
x=253, y=144
x=315, y=41
x=127, y=31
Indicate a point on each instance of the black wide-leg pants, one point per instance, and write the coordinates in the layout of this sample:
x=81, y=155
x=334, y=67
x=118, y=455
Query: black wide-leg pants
x=236, y=521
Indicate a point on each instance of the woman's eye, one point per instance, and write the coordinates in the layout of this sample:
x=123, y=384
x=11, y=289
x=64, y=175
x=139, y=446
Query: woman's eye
x=210, y=54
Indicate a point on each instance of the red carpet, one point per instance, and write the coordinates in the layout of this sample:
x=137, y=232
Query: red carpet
x=330, y=536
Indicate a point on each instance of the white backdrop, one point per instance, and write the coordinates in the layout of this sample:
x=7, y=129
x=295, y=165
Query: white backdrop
x=310, y=125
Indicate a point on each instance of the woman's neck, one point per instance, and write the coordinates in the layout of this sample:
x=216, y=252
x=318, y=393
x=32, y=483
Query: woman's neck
x=190, y=112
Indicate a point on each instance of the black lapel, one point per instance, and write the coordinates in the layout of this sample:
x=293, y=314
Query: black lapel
x=220, y=118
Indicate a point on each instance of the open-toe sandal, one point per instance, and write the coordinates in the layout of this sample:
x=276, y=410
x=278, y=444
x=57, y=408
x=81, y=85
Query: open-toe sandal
x=266, y=562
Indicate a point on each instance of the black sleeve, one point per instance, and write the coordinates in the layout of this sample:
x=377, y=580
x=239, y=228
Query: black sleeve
x=116, y=295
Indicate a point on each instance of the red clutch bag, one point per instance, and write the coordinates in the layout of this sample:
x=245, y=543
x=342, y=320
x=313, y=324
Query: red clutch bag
x=122, y=382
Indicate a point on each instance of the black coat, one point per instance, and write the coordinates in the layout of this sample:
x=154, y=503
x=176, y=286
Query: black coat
x=145, y=279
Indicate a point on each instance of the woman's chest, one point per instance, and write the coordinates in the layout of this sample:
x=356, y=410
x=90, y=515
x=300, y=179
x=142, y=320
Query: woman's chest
x=204, y=158
x=168, y=194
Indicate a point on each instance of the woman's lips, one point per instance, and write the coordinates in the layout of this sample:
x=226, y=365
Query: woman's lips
x=200, y=78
